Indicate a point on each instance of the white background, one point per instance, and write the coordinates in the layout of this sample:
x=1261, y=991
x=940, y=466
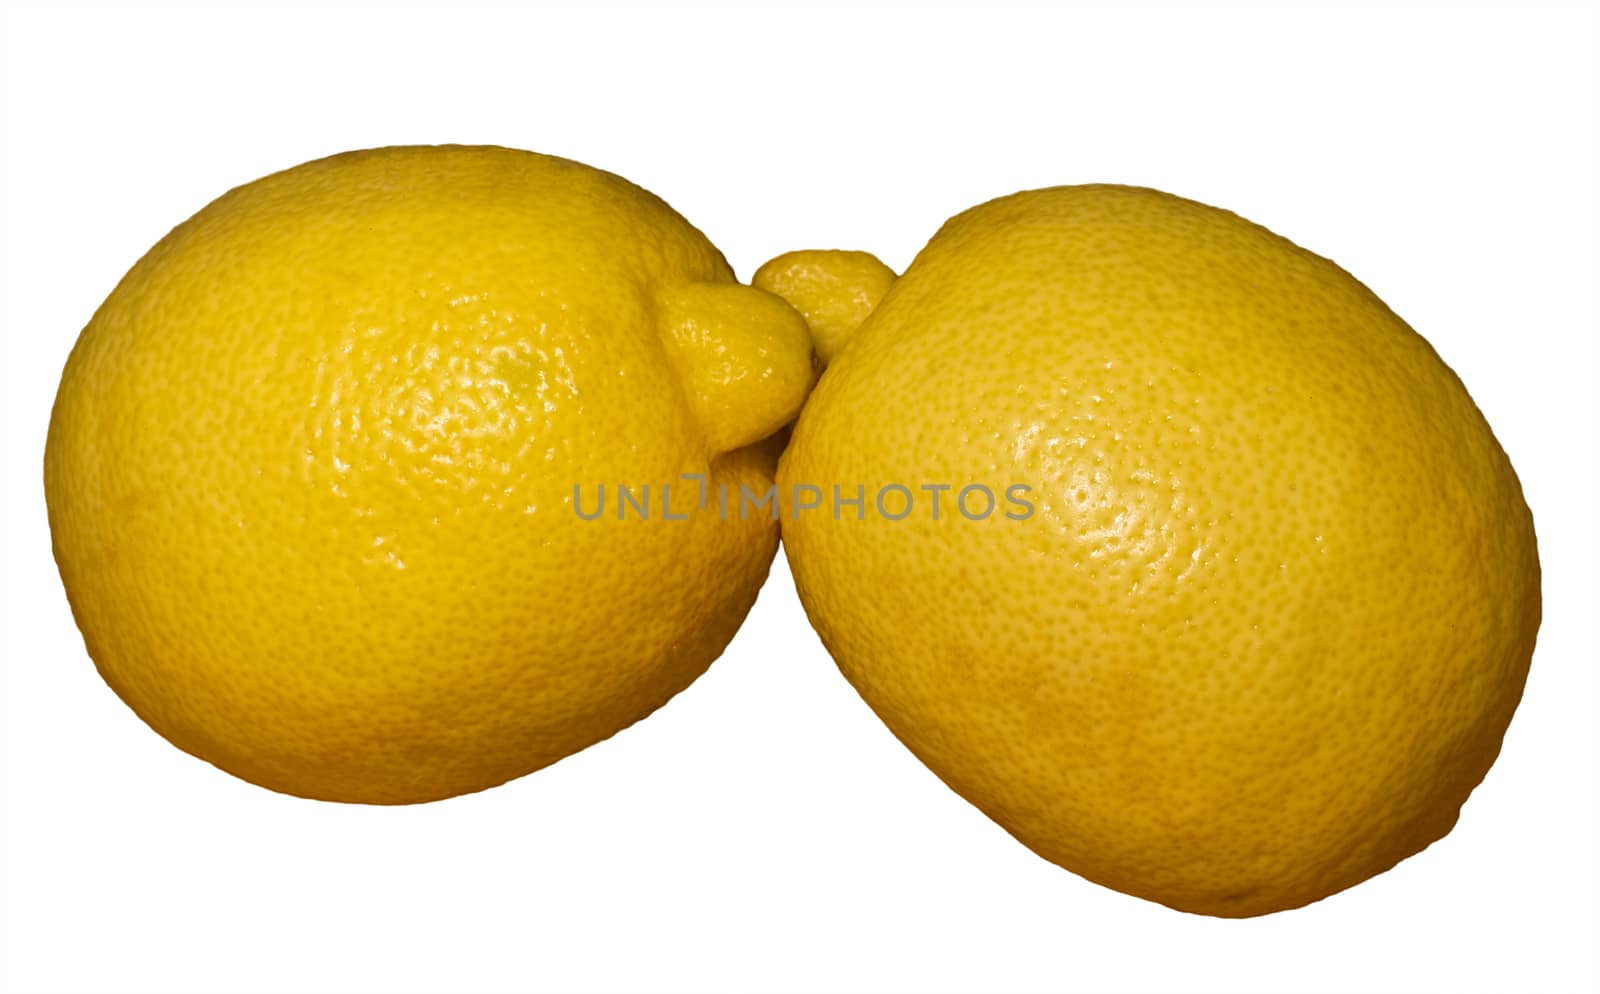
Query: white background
x=764, y=832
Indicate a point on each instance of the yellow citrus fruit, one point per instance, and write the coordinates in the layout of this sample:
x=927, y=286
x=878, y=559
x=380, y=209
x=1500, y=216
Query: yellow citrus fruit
x=315, y=468
x=1258, y=621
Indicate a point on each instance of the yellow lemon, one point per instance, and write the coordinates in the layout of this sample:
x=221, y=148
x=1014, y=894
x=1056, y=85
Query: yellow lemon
x=1252, y=595
x=316, y=468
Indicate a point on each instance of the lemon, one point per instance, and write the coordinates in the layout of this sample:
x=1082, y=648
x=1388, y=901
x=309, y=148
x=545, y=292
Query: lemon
x=1255, y=618
x=315, y=469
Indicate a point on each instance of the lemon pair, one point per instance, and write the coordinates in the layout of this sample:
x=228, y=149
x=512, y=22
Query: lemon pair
x=406, y=472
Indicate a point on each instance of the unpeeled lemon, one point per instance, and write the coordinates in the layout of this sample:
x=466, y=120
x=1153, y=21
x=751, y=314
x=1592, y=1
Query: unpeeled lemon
x=314, y=469
x=1266, y=618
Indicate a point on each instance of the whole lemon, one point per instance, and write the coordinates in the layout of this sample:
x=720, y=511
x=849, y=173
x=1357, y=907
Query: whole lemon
x=1229, y=592
x=326, y=472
